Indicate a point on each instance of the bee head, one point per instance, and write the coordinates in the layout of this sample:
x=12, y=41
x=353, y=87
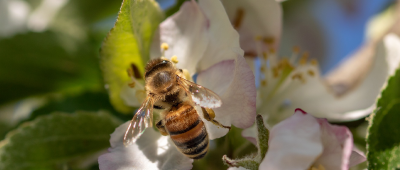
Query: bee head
x=160, y=75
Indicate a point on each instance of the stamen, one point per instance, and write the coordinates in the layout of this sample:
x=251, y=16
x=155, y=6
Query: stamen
x=258, y=46
x=132, y=85
x=186, y=74
x=258, y=38
x=311, y=73
x=304, y=58
x=164, y=46
x=295, y=54
x=275, y=72
x=269, y=40
x=265, y=56
x=298, y=76
x=264, y=83
x=238, y=18
x=272, y=51
x=174, y=59
x=314, y=62
x=272, y=57
x=296, y=49
x=263, y=69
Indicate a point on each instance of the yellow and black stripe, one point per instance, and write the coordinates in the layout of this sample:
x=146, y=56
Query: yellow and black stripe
x=187, y=131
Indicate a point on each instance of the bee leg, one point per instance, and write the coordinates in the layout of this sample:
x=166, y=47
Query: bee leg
x=161, y=128
x=210, y=115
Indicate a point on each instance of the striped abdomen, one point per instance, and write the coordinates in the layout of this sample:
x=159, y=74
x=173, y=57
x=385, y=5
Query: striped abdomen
x=187, y=131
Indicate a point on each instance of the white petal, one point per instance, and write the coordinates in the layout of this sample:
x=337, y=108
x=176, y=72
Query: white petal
x=359, y=100
x=260, y=18
x=392, y=43
x=13, y=16
x=354, y=103
x=133, y=96
x=293, y=144
x=223, y=40
x=186, y=34
x=151, y=151
x=234, y=82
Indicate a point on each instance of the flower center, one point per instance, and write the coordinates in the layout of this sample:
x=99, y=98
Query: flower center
x=237, y=21
x=280, y=75
x=174, y=59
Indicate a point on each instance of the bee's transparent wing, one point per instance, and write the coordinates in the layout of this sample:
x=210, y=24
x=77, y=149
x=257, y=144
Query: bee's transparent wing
x=140, y=121
x=200, y=95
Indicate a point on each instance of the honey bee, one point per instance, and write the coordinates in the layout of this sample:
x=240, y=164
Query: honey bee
x=176, y=97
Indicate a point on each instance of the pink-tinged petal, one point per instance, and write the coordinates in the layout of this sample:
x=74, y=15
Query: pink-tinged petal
x=151, y=151
x=338, y=145
x=234, y=82
x=186, y=34
x=223, y=40
x=259, y=18
x=251, y=134
x=294, y=144
x=356, y=157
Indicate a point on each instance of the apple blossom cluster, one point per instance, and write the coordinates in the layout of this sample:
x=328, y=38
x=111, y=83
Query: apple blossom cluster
x=216, y=43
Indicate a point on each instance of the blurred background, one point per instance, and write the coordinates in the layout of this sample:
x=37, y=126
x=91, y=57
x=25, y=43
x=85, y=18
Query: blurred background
x=49, y=53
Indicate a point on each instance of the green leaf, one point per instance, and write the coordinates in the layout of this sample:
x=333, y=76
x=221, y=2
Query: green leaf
x=57, y=141
x=128, y=43
x=87, y=101
x=383, y=140
x=36, y=63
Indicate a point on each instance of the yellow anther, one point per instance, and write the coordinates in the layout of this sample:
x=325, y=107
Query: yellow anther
x=269, y=40
x=186, y=74
x=285, y=61
x=311, y=73
x=265, y=56
x=299, y=76
x=272, y=50
x=174, y=59
x=132, y=85
x=258, y=38
x=164, y=46
x=130, y=72
x=296, y=49
x=264, y=83
x=164, y=58
x=314, y=62
x=303, y=59
x=237, y=21
x=263, y=69
x=275, y=72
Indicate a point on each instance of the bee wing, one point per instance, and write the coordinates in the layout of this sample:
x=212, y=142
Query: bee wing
x=140, y=121
x=200, y=95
